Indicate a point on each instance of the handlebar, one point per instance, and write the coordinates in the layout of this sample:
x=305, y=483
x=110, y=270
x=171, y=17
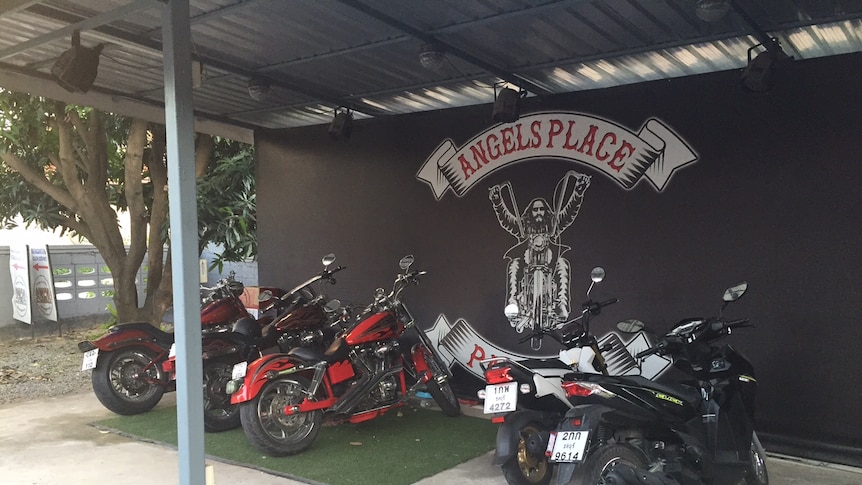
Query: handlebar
x=717, y=328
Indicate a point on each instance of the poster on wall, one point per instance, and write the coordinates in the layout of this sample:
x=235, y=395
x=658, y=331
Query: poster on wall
x=537, y=261
x=19, y=268
x=42, y=277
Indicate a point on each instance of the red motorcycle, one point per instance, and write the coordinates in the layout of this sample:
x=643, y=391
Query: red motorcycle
x=300, y=317
x=371, y=367
x=127, y=361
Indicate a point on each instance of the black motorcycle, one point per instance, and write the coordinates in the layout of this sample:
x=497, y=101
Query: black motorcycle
x=695, y=430
x=527, y=398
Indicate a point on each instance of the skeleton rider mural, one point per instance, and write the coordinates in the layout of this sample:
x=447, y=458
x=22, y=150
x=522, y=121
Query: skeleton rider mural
x=537, y=273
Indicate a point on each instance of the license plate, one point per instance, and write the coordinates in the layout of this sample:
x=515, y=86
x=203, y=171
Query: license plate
x=239, y=370
x=90, y=358
x=567, y=446
x=501, y=398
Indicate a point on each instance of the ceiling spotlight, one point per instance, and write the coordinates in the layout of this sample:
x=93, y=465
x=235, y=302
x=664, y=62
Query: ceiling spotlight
x=76, y=68
x=258, y=88
x=711, y=10
x=342, y=124
x=507, y=105
x=758, y=75
x=431, y=57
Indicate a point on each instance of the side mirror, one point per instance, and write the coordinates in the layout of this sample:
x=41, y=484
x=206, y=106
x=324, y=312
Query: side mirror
x=630, y=326
x=735, y=292
x=406, y=261
x=328, y=259
x=511, y=311
x=264, y=296
x=597, y=274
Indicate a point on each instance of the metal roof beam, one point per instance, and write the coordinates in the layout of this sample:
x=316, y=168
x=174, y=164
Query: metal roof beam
x=89, y=23
x=430, y=39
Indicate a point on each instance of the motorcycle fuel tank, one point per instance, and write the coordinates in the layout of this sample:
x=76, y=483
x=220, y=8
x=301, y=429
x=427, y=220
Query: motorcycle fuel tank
x=379, y=326
x=222, y=311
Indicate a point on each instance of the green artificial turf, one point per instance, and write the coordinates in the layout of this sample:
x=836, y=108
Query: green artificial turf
x=398, y=448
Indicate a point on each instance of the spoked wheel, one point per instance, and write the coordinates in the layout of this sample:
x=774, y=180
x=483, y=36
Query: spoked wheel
x=756, y=474
x=269, y=429
x=219, y=413
x=599, y=463
x=529, y=466
x=439, y=386
x=128, y=381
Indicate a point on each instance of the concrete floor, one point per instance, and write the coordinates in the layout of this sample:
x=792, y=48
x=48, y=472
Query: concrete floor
x=49, y=442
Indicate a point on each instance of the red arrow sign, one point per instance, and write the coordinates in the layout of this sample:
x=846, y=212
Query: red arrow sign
x=37, y=267
x=18, y=268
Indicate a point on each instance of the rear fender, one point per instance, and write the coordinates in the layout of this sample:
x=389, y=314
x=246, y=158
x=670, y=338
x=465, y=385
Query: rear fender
x=256, y=375
x=509, y=432
x=585, y=417
x=136, y=337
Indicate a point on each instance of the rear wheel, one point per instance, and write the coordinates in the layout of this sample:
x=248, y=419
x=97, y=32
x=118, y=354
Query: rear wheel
x=756, y=474
x=128, y=381
x=439, y=386
x=219, y=413
x=529, y=466
x=269, y=429
x=599, y=463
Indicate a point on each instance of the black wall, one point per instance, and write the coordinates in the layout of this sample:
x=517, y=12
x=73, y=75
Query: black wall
x=772, y=199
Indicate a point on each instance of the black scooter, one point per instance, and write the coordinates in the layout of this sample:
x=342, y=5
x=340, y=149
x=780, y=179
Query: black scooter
x=699, y=430
x=526, y=396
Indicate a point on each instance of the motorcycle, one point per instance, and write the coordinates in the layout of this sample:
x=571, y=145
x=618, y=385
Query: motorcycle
x=126, y=362
x=373, y=366
x=695, y=430
x=527, y=398
x=299, y=317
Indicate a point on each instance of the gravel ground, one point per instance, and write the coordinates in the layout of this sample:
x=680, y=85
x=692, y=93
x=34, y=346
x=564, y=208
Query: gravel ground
x=39, y=362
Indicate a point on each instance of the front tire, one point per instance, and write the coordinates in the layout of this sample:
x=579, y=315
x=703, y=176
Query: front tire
x=269, y=429
x=525, y=467
x=439, y=386
x=219, y=414
x=128, y=381
x=599, y=463
x=756, y=474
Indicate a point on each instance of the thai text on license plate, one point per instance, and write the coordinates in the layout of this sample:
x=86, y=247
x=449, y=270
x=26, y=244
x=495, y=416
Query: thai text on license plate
x=90, y=359
x=501, y=398
x=567, y=446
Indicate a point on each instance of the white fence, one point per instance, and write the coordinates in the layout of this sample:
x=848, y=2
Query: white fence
x=84, y=285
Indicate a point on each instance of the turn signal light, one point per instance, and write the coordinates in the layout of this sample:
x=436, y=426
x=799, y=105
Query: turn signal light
x=498, y=375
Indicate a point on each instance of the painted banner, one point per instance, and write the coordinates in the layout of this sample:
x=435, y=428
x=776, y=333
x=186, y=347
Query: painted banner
x=19, y=268
x=43, y=283
x=654, y=152
x=460, y=344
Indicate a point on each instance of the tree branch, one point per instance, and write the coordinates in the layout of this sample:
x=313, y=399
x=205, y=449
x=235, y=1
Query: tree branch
x=38, y=180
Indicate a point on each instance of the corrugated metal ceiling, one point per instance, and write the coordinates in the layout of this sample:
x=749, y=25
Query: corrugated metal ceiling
x=319, y=55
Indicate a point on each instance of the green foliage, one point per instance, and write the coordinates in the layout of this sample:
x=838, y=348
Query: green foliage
x=227, y=204
x=226, y=198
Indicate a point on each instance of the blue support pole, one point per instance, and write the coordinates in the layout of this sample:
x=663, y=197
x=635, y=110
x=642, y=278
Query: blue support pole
x=179, y=123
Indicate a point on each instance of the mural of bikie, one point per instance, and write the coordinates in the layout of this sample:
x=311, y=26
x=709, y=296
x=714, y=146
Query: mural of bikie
x=538, y=275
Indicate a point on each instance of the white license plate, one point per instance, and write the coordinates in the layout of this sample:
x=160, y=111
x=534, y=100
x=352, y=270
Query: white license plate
x=239, y=370
x=501, y=398
x=90, y=358
x=567, y=446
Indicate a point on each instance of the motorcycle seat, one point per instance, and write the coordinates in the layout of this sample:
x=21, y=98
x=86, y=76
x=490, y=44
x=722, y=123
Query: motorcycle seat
x=157, y=333
x=336, y=352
